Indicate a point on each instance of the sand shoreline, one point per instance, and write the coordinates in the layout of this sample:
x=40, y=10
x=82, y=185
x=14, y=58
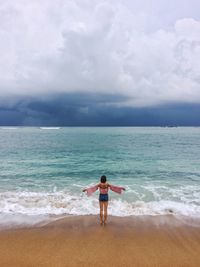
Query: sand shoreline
x=81, y=241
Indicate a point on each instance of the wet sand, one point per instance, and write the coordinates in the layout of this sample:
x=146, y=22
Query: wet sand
x=81, y=241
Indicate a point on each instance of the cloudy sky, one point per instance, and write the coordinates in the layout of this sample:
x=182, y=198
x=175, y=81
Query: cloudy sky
x=100, y=62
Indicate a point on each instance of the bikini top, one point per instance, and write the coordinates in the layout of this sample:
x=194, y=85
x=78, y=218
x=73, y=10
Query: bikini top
x=103, y=188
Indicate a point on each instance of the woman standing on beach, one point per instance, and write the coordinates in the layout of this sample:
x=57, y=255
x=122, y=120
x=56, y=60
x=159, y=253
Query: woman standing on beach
x=103, y=187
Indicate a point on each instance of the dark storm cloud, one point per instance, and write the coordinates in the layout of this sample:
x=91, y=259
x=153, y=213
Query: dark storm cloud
x=92, y=110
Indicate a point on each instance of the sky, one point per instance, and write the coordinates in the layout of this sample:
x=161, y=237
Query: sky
x=100, y=62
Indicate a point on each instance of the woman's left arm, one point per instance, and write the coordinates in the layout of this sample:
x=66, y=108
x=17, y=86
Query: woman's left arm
x=117, y=189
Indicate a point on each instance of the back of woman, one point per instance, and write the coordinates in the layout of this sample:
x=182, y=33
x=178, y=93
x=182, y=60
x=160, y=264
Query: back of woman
x=103, y=188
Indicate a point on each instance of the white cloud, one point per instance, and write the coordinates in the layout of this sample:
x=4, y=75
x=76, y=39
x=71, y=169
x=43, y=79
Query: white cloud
x=97, y=46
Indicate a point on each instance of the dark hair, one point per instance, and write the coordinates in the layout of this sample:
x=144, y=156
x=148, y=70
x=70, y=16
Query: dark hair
x=103, y=179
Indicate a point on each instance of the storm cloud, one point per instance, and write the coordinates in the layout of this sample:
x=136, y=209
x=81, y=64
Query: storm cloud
x=90, y=110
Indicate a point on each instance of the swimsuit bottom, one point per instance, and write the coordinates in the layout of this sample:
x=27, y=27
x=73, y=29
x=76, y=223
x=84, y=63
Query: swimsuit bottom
x=103, y=197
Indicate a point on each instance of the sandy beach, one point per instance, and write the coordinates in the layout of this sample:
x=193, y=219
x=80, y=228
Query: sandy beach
x=81, y=241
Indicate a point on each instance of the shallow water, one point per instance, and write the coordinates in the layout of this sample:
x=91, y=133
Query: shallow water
x=44, y=170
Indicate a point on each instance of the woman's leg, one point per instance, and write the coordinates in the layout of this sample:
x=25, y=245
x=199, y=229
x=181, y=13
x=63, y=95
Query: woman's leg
x=105, y=211
x=101, y=211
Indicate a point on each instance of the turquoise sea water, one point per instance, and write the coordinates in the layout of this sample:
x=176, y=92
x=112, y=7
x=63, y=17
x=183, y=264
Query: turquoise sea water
x=43, y=170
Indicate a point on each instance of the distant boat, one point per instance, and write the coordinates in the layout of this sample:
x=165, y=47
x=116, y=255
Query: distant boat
x=169, y=126
x=50, y=128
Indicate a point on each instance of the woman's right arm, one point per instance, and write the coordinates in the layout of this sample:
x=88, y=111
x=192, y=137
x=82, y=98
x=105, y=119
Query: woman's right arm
x=91, y=189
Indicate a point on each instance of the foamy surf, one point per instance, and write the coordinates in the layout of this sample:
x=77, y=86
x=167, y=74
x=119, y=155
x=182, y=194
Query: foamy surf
x=31, y=208
x=50, y=128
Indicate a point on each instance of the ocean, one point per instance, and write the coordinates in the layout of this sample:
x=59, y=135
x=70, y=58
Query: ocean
x=44, y=169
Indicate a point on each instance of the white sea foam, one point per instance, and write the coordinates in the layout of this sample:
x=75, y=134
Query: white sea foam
x=50, y=128
x=29, y=208
x=8, y=128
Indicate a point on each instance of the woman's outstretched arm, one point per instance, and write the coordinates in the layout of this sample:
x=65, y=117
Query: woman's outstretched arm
x=91, y=189
x=117, y=189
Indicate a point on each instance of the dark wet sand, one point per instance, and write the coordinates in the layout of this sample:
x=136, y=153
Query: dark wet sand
x=81, y=241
